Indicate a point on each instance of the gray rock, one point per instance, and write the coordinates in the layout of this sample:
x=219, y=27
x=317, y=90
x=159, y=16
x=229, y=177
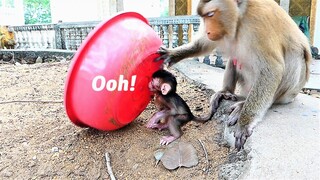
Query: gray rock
x=39, y=60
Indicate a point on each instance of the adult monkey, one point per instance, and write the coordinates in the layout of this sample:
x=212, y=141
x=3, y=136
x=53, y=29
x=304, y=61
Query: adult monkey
x=269, y=56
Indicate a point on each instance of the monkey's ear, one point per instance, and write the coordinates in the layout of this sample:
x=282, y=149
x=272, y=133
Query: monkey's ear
x=242, y=6
x=150, y=86
x=241, y=3
x=165, y=88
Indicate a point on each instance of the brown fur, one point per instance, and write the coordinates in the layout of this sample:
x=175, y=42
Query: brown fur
x=7, y=39
x=269, y=55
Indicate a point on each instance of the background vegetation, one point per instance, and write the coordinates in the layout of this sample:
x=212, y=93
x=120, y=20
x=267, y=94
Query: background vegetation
x=37, y=11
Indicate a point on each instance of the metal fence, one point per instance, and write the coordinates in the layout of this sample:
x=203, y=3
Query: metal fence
x=173, y=31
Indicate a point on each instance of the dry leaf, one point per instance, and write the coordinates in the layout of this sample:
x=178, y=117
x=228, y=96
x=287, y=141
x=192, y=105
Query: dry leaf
x=158, y=155
x=178, y=155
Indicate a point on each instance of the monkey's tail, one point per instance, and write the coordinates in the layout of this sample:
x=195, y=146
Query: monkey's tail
x=203, y=118
x=308, y=59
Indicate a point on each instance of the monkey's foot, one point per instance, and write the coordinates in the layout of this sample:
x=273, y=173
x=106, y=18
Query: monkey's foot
x=217, y=98
x=235, y=110
x=167, y=140
x=241, y=134
x=229, y=96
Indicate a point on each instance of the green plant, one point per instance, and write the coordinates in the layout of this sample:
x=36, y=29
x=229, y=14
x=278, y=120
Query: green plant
x=37, y=11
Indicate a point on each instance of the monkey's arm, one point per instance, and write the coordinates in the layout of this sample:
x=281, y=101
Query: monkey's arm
x=227, y=91
x=201, y=45
x=230, y=77
x=259, y=100
x=155, y=119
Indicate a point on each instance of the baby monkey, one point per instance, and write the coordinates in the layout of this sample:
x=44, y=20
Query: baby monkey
x=172, y=109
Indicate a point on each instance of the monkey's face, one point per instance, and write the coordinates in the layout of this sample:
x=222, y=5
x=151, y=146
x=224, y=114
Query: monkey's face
x=213, y=26
x=156, y=85
x=219, y=17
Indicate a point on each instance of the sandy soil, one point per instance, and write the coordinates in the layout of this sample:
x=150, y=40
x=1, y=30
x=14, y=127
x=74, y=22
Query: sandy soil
x=39, y=142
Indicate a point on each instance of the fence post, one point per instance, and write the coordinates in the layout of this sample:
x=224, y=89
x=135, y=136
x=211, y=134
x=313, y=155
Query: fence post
x=57, y=35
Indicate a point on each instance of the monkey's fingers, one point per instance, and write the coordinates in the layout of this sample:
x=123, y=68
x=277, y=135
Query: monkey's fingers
x=241, y=134
x=229, y=96
x=152, y=126
x=239, y=143
x=234, y=111
x=240, y=139
x=163, y=57
x=163, y=143
x=148, y=126
x=164, y=54
x=166, y=60
x=215, y=102
x=233, y=118
x=167, y=140
x=162, y=50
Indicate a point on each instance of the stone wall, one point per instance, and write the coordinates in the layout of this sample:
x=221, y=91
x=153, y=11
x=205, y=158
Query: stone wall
x=34, y=56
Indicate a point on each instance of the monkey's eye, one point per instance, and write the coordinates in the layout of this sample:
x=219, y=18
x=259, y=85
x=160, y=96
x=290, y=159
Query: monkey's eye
x=210, y=14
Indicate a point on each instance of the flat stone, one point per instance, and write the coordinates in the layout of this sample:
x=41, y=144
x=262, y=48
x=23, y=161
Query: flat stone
x=285, y=144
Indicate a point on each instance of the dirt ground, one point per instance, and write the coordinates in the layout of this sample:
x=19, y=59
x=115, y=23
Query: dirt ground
x=38, y=141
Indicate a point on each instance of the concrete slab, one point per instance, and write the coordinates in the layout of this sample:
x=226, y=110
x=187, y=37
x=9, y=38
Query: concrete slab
x=284, y=145
x=207, y=75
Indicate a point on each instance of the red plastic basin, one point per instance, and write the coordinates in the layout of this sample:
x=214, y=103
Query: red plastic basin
x=107, y=83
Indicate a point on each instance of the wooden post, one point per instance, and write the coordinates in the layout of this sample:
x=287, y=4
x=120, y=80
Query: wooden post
x=172, y=7
x=60, y=44
x=189, y=7
x=189, y=12
x=313, y=20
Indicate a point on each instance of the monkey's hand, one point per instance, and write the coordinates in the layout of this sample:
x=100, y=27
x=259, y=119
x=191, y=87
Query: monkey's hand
x=152, y=125
x=241, y=134
x=155, y=119
x=217, y=98
x=166, y=55
x=159, y=126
